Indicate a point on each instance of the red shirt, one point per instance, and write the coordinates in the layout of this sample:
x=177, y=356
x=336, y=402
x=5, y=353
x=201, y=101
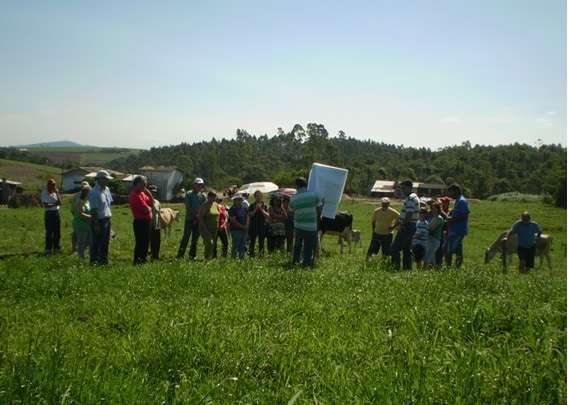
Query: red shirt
x=140, y=204
x=223, y=216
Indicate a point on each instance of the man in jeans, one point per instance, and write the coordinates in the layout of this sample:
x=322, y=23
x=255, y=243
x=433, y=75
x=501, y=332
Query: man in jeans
x=457, y=226
x=383, y=222
x=100, y=201
x=194, y=199
x=406, y=227
x=307, y=207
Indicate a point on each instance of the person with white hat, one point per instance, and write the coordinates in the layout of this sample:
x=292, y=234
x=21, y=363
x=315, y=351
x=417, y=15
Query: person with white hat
x=73, y=208
x=382, y=224
x=100, y=201
x=194, y=199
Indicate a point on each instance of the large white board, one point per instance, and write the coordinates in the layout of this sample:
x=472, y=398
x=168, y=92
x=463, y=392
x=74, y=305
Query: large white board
x=329, y=183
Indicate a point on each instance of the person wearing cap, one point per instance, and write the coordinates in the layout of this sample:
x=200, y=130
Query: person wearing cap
x=457, y=226
x=140, y=200
x=194, y=199
x=82, y=220
x=307, y=209
x=239, y=223
x=382, y=224
x=100, y=200
x=528, y=233
x=73, y=208
x=406, y=227
x=51, y=203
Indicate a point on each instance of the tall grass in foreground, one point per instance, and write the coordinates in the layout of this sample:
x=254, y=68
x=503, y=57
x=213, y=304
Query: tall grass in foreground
x=254, y=331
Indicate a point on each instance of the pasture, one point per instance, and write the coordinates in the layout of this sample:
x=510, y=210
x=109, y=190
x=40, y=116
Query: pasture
x=33, y=176
x=253, y=331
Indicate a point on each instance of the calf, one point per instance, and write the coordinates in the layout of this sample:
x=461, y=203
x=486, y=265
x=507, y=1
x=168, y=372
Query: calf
x=543, y=247
x=340, y=226
x=167, y=218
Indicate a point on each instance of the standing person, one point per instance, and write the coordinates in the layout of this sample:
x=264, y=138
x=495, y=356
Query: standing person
x=140, y=201
x=307, y=207
x=52, y=202
x=194, y=199
x=444, y=213
x=406, y=227
x=435, y=228
x=289, y=223
x=239, y=220
x=155, y=231
x=100, y=201
x=208, y=218
x=420, y=238
x=276, y=224
x=528, y=233
x=246, y=203
x=457, y=226
x=74, y=204
x=258, y=213
x=82, y=220
x=223, y=229
x=382, y=224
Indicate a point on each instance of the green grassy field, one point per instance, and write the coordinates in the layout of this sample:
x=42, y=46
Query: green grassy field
x=32, y=176
x=226, y=331
x=82, y=156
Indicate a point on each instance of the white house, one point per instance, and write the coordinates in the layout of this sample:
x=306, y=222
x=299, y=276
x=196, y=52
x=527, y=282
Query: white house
x=71, y=179
x=388, y=188
x=166, y=179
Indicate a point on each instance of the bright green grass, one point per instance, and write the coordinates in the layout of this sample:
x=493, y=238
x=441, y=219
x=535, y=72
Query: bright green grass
x=253, y=332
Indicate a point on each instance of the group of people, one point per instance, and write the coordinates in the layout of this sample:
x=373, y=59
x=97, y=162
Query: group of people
x=249, y=226
x=426, y=232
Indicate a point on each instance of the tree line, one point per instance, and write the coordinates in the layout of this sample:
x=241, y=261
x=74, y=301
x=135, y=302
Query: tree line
x=482, y=170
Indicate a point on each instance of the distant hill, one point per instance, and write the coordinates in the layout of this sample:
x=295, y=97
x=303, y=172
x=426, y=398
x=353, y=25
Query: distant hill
x=54, y=144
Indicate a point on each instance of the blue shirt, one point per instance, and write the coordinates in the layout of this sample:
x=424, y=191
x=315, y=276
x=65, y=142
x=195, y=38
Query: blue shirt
x=526, y=233
x=194, y=200
x=459, y=227
x=240, y=213
x=100, y=201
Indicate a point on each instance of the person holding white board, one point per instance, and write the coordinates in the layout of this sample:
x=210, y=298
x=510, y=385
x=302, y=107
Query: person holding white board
x=306, y=205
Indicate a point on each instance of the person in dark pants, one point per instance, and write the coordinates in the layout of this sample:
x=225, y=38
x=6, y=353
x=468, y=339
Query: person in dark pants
x=406, y=228
x=155, y=231
x=528, y=233
x=100, y=201
x=194, y=199
x=289, y=223
x=141, y=202
x=223, y=231
x=51, y=202
x=307, y=209
x=258, y=213
x=383, y=222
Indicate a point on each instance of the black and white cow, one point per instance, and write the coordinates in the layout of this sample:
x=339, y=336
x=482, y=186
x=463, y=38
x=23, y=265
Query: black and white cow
x=340, y=226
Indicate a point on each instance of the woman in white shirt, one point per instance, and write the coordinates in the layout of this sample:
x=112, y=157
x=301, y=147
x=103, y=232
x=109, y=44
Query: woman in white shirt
x=51, y=203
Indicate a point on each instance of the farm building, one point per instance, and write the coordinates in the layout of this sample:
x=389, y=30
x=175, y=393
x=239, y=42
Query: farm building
x=388, y=188
x=166, y=179
x=71, y=179
x=8, y=188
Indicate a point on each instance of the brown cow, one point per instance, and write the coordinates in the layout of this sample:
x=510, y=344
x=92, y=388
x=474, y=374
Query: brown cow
x=543, y=247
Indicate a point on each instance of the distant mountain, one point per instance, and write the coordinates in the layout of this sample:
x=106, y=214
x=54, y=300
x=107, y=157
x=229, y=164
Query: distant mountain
x=54, y=144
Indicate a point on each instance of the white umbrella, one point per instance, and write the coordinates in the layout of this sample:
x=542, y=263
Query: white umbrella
x=264, y=187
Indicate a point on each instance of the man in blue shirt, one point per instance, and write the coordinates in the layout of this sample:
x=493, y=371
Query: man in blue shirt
x=194, y=199
x=528, y=232
x=100, y=200
x=457, y=225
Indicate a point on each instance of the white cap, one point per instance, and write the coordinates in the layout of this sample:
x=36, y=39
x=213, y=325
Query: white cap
x=103, y=174
x=198, y=180
x=385, y=200
x=237, y=196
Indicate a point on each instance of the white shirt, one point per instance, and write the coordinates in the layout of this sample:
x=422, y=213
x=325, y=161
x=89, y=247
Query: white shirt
x=50, y=198
x=410, y=205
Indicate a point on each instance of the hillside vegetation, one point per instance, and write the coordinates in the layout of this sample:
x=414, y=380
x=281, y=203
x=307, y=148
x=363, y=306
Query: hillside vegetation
x=483, y=170
x=32, y=176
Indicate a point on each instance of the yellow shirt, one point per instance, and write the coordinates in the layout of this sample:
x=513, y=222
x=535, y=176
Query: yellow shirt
x=383, y=219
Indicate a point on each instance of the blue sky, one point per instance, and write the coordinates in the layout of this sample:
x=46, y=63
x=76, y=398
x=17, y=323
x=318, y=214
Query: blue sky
x=418, y=73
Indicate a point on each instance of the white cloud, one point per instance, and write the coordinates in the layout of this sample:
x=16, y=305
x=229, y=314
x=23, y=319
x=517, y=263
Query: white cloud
x=450, y=120
x=543, y=121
